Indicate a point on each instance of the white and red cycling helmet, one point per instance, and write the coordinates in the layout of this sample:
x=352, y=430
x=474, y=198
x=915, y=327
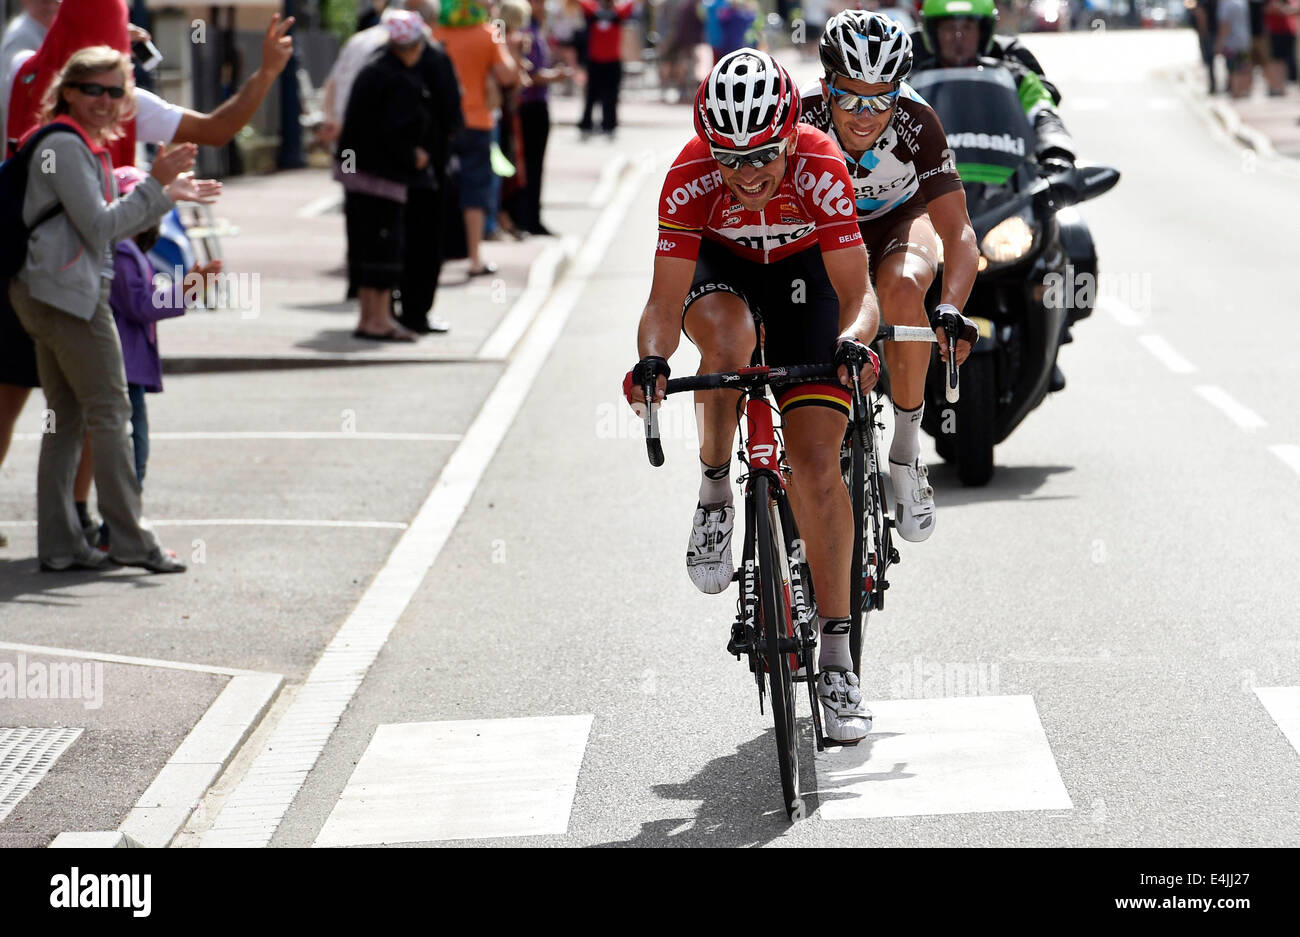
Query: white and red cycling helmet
x=747, y=101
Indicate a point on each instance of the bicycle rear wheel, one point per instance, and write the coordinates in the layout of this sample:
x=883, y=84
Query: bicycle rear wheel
x=776, y=625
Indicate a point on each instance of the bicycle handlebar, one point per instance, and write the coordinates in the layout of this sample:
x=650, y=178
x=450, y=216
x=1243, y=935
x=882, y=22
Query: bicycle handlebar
x=757, y=376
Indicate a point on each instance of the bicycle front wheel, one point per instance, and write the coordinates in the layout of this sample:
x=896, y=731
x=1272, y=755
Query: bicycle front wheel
x=777, y=624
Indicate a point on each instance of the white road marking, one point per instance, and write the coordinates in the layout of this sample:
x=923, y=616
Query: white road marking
x=1283, y=704
x=1240, y=414
x=120, y=659
x=541, y=278
x=252, y=522
x=609, y=176
x=260, y=800
x=479, y=779
x=1161, y=104
x=360, y=437
x=26, y=756
x=1289, y=454
x=1165, y=352
x=169, y=800
x=321, y=206
x=972, y=754
x=1121, y=312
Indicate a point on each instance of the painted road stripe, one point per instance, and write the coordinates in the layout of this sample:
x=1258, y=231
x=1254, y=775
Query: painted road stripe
x=321, y=206
x=1165, y=352
x=34, y=650
x=1289, y=454
x=480, y=779
x=609, y=176
x=259, y=802
x=1283, y=704
x=26, y=756
x=975, y=754
x=541, y=279
x=1121, y=312
x=252, y=522
x=1243, y=416
x=360, y=437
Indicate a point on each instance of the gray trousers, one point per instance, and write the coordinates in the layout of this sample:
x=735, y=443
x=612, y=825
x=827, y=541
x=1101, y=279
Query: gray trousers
x=81, y=371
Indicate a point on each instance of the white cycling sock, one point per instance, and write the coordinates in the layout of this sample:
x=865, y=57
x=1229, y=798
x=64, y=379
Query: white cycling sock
x=835, y=651
x=906, y=446
x=715, y=485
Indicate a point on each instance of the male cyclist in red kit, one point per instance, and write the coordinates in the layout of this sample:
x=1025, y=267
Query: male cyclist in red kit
x=757, y=217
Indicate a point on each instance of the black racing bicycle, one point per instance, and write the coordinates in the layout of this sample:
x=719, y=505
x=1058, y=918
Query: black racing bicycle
x=776, y=617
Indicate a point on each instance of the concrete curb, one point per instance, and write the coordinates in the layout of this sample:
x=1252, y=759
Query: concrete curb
x=167, y=803
x=543, y=273
x=114, y=840
x=1227, y=118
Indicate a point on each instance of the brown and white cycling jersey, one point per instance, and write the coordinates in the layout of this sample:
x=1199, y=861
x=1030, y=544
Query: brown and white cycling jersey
x=910, y=156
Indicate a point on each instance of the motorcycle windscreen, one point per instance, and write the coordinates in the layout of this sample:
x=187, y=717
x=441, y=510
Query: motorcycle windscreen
x=987, y=128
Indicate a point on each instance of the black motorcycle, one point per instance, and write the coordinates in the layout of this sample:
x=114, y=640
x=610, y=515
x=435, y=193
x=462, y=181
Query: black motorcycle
x=1033, y=250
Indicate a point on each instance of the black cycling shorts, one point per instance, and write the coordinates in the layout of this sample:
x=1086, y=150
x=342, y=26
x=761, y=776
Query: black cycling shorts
x=794, y=300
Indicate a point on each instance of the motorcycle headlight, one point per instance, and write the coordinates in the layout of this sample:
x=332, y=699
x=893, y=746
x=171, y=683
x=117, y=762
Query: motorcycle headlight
x=1009, y=240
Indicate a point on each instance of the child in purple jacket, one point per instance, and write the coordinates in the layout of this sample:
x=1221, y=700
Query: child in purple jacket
x=137, y=307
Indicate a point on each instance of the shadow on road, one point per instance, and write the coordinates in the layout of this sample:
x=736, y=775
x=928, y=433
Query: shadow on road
x=1009, y=483
x=741, y=797
x=22, y=582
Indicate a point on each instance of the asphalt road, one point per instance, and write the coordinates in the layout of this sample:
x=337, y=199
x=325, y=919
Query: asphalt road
x=1125, y=572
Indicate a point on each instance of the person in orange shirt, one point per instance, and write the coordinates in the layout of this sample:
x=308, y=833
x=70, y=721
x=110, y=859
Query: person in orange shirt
x=476, y=52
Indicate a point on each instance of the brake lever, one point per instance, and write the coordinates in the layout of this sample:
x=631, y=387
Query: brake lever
x=952, y=386
x=653, y=447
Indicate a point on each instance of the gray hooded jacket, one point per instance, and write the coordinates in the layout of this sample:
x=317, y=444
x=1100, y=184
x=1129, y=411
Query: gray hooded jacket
x=70, y=255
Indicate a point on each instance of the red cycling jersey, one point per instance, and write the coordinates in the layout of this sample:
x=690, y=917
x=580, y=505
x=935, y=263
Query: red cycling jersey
x=814, y=205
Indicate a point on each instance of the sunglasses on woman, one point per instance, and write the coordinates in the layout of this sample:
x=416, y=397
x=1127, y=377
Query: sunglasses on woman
x=93, y=89
x=871, y=103
x=758, y=157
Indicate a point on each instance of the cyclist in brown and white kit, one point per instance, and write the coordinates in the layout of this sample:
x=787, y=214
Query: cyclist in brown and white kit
x=912, y=213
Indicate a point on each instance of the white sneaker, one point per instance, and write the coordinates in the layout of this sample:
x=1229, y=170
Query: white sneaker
x=845, y=717
x=915, y=499
x=708, y=552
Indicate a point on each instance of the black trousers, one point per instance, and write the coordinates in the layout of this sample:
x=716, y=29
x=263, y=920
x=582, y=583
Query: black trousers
x=535, y=121
x=603, y=81
x=422, y=262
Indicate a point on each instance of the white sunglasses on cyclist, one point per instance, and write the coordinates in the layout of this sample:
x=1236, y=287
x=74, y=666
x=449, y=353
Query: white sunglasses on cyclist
x=857, y=103
x=758, y=157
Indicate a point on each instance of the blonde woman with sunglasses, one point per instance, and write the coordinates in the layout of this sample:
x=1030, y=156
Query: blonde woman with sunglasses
x=61, y=296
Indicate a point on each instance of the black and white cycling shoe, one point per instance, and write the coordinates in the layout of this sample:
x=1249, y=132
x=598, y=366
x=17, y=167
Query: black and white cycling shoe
x=845, y=716
x=914, y=498
x=708, y=552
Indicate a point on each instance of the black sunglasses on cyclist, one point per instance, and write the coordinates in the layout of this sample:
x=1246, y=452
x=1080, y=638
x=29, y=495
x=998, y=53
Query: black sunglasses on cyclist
x=758, y=157
x=93, y=89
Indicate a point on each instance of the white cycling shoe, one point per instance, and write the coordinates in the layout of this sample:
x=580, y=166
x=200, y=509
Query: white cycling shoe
x=914, y=498
x=708, y=552
x=845, y=717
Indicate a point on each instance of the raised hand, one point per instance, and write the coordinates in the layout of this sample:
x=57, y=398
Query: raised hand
x=277, y=45
x=169, y=164
x=185, y=188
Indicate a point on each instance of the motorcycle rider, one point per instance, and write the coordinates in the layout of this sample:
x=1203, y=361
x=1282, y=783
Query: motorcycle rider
x=911, y=209
x=963, y=33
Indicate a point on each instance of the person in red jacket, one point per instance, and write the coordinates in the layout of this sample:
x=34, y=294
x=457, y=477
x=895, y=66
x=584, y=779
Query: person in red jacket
x=605, y=20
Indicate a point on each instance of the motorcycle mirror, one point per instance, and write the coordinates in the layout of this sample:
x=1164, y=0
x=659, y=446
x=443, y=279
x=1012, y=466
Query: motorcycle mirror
x=1095, y=180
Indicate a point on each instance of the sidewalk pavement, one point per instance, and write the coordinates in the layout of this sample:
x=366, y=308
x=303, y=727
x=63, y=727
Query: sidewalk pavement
x=289, y=258
x=1268, y=125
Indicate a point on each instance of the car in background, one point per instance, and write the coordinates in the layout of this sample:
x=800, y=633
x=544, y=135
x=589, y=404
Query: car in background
x=1048, y=16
